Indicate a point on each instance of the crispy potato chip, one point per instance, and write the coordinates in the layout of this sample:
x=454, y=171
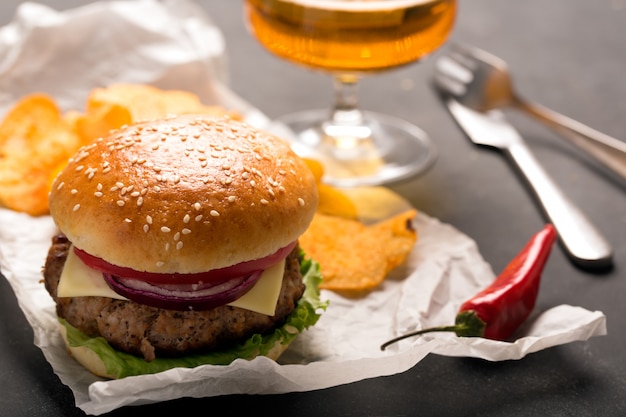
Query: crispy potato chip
x=34, y=141
x=100, y=121
x=356, y=257
x=145, y=102
x=332, y=201
x=316, y=168
x=335, y=203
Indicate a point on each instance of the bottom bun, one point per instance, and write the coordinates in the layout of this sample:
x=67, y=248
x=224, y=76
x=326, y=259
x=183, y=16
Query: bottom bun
x=86, y=357
x=97, y=356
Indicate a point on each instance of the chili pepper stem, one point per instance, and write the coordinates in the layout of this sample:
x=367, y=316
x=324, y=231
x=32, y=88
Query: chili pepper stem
x=467, y=324
x=454, y=328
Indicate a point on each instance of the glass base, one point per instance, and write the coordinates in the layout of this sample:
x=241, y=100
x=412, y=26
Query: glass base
x=390, y=149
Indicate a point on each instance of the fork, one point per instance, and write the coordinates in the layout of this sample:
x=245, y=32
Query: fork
x=481, y=81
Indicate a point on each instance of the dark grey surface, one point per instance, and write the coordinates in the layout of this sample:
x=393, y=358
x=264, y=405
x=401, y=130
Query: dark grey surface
x=566, y=54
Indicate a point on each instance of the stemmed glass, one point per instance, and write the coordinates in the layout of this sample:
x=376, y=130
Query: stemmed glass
x=349, y=39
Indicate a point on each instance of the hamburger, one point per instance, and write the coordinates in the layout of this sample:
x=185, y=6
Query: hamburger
x=178, y=246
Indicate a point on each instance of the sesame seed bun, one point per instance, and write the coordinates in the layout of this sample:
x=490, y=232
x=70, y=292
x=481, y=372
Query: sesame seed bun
x=184, y=194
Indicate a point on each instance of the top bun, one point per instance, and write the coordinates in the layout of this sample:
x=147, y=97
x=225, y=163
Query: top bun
x=184, y=194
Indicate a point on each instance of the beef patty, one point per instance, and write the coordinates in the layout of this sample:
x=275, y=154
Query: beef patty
x=150, y=332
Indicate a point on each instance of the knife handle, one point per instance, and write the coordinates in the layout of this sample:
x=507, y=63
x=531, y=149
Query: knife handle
x=581, y=240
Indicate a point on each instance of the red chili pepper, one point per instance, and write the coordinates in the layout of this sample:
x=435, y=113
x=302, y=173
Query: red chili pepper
x=498, y=310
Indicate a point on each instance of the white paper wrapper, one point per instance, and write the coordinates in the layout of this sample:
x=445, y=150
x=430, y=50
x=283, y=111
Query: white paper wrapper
x=176, y=46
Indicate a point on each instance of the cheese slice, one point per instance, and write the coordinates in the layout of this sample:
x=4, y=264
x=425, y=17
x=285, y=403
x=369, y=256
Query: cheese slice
x=79, y=280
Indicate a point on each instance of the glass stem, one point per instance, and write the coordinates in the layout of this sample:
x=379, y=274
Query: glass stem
x=346, y=127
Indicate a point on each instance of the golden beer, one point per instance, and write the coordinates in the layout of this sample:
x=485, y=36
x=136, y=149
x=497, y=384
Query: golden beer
x=351, y=36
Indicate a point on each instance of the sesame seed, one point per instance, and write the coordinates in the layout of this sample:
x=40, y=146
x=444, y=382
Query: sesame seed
x=231, y=198
x=140, y=201
x=160, y=264
x=186, y=218
x=301, y=201
x=76, y=207
x=197, y=206
x=121, y=203
x=165, y=229
x=146, y=228
x=186, y=231
x=135, y=194
x=179, y=245
x=214, y=213
x=264, y=201
x=99, y=187
x=61, y=184
x=149, y=219
x=98, y=193
x=127, y=220
x=74, y=191
x=252, y=183
x=177, y=236
x=167, y=246
x=79, y=168
x=198, y=217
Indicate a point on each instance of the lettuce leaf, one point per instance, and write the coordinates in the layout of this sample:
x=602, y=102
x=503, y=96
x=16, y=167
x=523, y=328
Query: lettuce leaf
x=306, y=314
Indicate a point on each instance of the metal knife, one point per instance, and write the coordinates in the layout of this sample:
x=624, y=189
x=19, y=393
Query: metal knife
x=583, y=243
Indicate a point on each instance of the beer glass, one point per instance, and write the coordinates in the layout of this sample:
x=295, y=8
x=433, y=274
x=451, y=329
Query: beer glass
x=350, y=39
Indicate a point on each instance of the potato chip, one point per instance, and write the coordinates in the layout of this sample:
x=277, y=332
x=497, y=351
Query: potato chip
x=335, y=203
x=332, y=201
x=100, y=121
x=34, y=141
x=144, y=102
x=356, y=257
x=316, y=168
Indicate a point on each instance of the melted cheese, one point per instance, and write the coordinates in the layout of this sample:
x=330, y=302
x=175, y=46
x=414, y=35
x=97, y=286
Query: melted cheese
x=79, y=280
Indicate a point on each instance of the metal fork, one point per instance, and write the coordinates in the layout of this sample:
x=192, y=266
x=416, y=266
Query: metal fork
x=481, y=81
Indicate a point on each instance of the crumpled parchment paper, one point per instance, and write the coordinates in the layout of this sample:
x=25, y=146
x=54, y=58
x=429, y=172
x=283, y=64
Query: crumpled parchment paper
x=175, y=45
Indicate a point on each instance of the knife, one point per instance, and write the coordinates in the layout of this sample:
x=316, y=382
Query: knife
x=580, y=239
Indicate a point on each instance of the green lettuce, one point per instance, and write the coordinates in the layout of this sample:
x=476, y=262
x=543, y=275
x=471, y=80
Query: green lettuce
x=306, y=314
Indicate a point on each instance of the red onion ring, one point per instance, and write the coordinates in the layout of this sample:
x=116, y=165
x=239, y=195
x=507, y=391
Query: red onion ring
x=172, y=297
